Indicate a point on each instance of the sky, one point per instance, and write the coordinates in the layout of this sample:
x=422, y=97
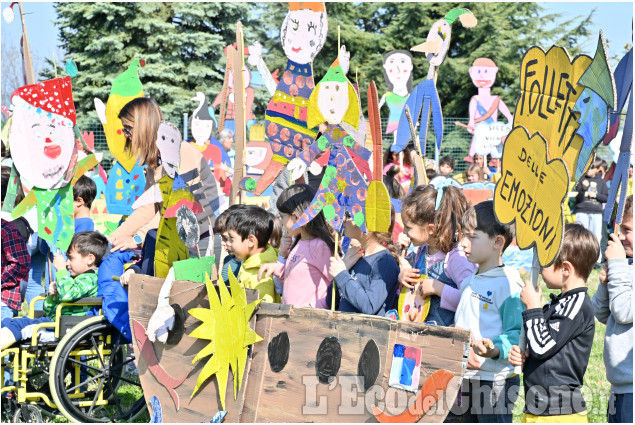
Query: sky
x=614, y=18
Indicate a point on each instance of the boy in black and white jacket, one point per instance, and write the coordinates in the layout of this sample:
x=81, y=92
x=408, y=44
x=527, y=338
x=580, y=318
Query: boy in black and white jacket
x=559, y=334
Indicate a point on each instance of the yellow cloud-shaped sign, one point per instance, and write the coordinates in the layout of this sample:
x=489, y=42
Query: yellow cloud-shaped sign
x=549, y=90
x=531, y=192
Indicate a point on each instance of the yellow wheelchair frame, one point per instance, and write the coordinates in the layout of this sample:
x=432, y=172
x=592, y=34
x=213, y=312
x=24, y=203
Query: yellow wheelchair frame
x=84, y=339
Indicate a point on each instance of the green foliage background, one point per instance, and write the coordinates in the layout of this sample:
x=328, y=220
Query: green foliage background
x=183, y=44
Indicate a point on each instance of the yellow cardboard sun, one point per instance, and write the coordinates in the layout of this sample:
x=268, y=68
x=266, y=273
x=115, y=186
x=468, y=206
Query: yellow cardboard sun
x=226, y=325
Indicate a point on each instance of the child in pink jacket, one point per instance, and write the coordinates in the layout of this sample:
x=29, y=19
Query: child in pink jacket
x=303, y=261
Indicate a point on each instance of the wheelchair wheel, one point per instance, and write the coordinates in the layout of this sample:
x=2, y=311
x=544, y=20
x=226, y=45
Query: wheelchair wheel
x=27, y=414
x=89, y=375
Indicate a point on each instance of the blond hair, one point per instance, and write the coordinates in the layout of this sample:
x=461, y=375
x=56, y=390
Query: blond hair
x=146, y=115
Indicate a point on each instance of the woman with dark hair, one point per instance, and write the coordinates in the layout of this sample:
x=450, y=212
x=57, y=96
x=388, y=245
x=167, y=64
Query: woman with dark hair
x=398, y=76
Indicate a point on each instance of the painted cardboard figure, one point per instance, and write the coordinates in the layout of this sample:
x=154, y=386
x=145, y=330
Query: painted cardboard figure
x=230, y=118
x=484, y=107
x=424, y=99
x=343, y=189
x=398, y=77
x=44, y=152
x=303, y=33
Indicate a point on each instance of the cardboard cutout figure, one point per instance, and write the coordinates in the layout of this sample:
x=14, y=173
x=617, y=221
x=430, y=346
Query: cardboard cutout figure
x=202, y=121
x=230, y=118
x=41, y=135
x=343, y=189
x=169, y=144
x=424, y=99
x=484, y=107
x=398, y=78
x=44, y=152
x=303, y=33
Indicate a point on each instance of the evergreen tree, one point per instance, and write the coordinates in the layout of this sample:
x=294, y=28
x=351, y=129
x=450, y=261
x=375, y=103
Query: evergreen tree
x=182, y=44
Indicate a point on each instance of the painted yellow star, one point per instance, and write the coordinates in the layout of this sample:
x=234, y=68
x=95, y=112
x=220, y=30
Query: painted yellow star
x=226, y=325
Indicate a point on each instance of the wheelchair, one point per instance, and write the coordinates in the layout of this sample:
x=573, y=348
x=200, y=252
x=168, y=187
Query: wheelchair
x=87, y=374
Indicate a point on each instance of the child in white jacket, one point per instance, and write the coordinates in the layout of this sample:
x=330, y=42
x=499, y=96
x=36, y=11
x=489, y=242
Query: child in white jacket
x=491, y=309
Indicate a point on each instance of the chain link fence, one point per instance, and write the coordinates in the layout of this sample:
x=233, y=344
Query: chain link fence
x=456, y=142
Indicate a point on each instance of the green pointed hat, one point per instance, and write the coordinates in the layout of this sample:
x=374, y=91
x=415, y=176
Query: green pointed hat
x=335, y=73
x=598, y=76
x=128, y=83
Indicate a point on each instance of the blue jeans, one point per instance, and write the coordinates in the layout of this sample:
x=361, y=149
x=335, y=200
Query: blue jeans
x=8, y=312
x=620, y=409
x=593, y=223
x=485, y=401
x=32, y=287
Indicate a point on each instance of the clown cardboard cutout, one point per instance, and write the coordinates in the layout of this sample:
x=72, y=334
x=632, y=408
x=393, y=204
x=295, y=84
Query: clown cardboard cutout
x=42, y=143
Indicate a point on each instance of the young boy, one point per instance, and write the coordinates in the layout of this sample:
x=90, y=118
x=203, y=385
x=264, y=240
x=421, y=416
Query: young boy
x=612, y=306
x=560, y=333
x=85, y=253
x=446, y=165
x=220, y=228
x=84, y=192
x=592, y=193
x=249, y=229
x=490, y=308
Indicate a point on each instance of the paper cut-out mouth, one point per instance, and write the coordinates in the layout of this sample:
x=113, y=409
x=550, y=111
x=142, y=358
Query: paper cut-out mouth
x=52, y=151
x=483, y=82
x=296, y=50
x=52, y=172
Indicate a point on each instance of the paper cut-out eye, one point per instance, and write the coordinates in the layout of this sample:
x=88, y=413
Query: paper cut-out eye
x=327, y=359
x=442, y=34
x=311, y=26
x=368, y=365
x=295, y=24
x=278, y=351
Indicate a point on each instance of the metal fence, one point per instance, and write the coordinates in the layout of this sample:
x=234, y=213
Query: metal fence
x=456, y=142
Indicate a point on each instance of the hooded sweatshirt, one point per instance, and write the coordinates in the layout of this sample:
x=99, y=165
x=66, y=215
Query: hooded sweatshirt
x=612, y=306
x=490, y=307
x=248, y=274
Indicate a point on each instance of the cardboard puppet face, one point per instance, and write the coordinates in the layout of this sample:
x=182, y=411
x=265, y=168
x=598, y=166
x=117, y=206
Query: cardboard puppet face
x=41, y=135
x=483, y=72
x=439, y=39
x=169, y=144
x=398, y=71
x=201, y=129
x=303, y=33
x=333, y=101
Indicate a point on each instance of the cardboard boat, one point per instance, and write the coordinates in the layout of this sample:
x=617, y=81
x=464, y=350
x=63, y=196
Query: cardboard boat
x=312, y=366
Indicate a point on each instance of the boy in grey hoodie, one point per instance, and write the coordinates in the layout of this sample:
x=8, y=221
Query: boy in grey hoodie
x=612, y=306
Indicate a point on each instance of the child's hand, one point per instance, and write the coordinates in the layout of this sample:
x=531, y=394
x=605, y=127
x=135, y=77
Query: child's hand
x=352, y=256
x=52, y=289
x=59, y=262
x=485, y=348
x=285, y=245
x=473, y=362
x=267, y=270
x=604, y=274
x=517, y=357
x=409, y=277
x=336, y=266
x=429, y=287
x=615, y=249
x=530, y=296
x=125, y=277
x=403, y=240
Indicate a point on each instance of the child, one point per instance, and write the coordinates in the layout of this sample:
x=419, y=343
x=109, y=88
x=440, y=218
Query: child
x=16, y=262
x=480, y=160
x=84, y=192
x=371, y=285
x=474, y=173
x=560, y=333
x=303, y=262
x=612, y=306
x=249, y=229
x=85, y=253
x=220, y=228
x=440, y=256
x=592, y=193
x=401, y=170
x=446, y=165
x=490, y=308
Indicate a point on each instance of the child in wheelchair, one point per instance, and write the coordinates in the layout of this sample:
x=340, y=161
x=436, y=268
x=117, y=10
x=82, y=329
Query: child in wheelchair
x=75, y=278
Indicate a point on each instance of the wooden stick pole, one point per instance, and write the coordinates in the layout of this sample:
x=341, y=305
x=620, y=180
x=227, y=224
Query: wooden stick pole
x=26, y=52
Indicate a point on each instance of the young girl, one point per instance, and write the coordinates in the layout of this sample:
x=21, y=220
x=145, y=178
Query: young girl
x=303, y=261
x=404, y=172
x=474, y=173
x=440, y=257
x=371, y=285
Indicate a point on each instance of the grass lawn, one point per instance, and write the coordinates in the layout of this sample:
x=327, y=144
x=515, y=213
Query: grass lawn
x=596, y=387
